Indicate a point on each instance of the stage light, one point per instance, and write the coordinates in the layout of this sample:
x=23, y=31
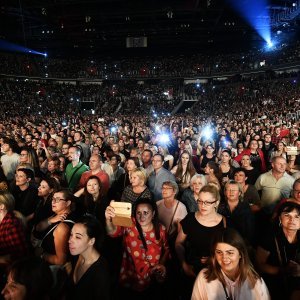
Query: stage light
x=164, y=139
x=45, y=54
x=257, y=14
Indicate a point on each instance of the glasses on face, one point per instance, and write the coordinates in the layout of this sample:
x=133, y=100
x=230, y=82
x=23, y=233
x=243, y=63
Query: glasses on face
x=57, y=199
x=206, y=203
x=143, y=213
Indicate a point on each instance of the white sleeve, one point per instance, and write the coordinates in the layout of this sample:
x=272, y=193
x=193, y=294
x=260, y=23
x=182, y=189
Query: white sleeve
x=199, y=290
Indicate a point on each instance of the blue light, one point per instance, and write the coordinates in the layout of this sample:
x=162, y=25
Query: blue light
x=257, y=14
x=8, y=46
x=45, y=54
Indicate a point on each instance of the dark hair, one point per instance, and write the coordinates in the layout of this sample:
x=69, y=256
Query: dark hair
x=246, y=271
x=155, y=220
x=67, y=194
x=237, y=170
x=35, y=275
x=149, y=151
x=88, y=199
x=161, y=156
x=52, y=183
x=12, y=143
x=288, y=206
x=135, y=160
x=28, y=172
x=94, y=229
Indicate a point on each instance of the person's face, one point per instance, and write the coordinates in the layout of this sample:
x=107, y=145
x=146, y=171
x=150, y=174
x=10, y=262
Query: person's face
x=73, y=155
x=240, y=177
x=133, y=153
x=34, y=143
x=296, y=192
x=52, y=166
x=232, y=192
x=290, y=220
x=59, y=203
x=44, y=189
x=225, y=157
x=13, y=290
x=245, y=161
x=141, y=144
x=144, y=214
x=197, y=185
x=28, y=139
x=185, y=159
x=5, y=147
x=99, y=142
x=209, y=149
x=115, y=147
x=70, y=139
x=267, y=138
x=280, y=146
x=279, y=165
x=93, y=187
x=135, y=180
x=23, y=156
x=79, y=241
x=157, y=162
x=131, y=165
x=113, y=161
x=167, y=192
x=77, y=137
x=146, y=157
x=207, y=204
x=65, y=149
x=228, y=257
x=253, y=145
x=94, y=163
x=21, y=179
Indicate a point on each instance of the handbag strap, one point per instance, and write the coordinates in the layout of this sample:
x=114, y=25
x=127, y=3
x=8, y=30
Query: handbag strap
x=54, y=227
x=171, y=222
x=226, y=294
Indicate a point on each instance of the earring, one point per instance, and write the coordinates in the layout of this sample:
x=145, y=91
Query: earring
x=280, y=224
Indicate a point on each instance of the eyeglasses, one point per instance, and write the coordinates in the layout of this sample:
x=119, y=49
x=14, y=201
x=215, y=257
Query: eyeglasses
x=143, y=213
x=206, y=203
x=56, y=199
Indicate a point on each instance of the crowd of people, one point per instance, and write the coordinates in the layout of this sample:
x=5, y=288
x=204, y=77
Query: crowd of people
x=151, y=67
x=214, y=192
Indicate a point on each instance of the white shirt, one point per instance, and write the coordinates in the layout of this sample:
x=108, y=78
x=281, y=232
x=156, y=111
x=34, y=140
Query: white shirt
x=214, y=290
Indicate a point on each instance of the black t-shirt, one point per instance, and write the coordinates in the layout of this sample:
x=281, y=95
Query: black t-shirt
x=255, y=161
x=199, y=237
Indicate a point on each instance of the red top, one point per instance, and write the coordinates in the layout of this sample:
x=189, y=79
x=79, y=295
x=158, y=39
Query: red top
x=137, y=262
x=263, y=167
x=103, y=176
x=12, y=237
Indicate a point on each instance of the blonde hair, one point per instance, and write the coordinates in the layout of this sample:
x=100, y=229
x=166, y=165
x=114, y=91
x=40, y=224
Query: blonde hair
x=8, y=200
x=140, y=173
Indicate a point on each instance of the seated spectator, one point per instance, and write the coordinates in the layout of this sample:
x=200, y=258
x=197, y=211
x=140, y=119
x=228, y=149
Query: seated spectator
x=158, y=176
x=237, y=211
x=53, y=248
x=137, y=189
x=256, y=157
x=25, y=193
x=250, y=193
x=190, y=196
x=230, y=274
x=29, y=278
x=13, y=243
x=95, y=164
x=184, y=171
x=140, y=271
x=92, y=199
x=89, y=278
x=212, y=174
x=277, y=254
x=251, y=173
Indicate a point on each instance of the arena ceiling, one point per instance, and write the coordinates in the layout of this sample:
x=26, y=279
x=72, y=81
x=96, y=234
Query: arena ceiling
x=102, y=26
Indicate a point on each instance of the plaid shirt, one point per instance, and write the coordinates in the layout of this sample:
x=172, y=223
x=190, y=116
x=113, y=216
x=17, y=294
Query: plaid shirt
x=12, y=237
